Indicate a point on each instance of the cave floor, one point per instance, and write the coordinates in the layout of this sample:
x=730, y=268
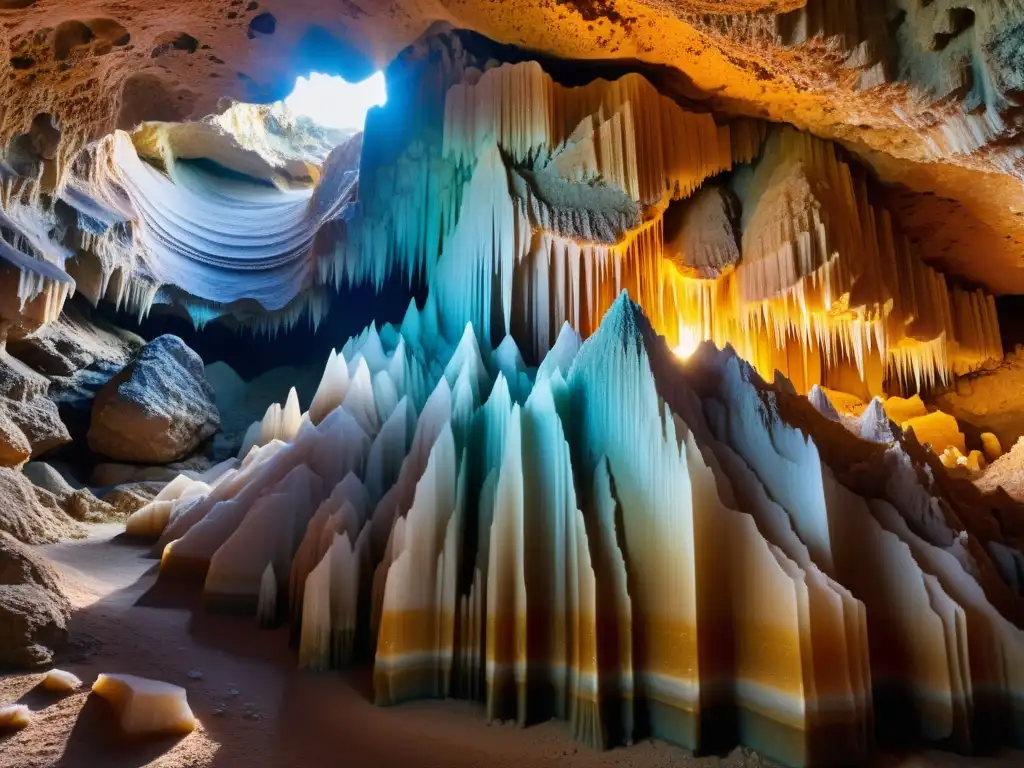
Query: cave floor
x=256, y=709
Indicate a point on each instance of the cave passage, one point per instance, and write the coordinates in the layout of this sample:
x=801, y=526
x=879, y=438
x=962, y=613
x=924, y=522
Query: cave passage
x=333, y=102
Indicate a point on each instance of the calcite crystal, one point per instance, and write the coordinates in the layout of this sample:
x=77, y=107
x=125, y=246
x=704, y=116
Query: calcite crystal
x=146, y=707
x=571, y=552
x=59, y=681
x=15, y=717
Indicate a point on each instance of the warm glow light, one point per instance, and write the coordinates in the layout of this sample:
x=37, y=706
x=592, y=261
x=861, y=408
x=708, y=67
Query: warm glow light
x=689, y=340
x=334, y=103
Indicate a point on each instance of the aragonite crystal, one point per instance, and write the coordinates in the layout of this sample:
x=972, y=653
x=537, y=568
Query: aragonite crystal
x=636, y=545
x=146, y=707
x=14, y=717
x=59, y=681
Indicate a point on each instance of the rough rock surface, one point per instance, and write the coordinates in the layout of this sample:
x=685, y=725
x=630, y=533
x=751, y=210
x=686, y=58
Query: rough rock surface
x=158, y=409
x=68, y=361
x=30, y=514
x=76, y=341
x=928, y=82
x=28, y=410
x=1006, y=472
x=989, y=400
x=33, y=608
x=15, y=449
x=78, y=503
x=130, y=497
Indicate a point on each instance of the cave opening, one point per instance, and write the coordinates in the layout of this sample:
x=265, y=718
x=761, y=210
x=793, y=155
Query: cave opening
x=333, y=102
x=569, y=386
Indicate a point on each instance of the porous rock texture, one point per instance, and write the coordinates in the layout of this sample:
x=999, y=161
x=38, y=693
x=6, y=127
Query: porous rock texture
x=158, y=409
x=936, y=84
x=33, y=608
x=33, y=515
x=989, y=400
x=28, y=409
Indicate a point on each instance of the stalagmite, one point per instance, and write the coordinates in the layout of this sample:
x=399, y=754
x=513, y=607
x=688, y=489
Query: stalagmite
x=266, y=606
x=333, y=386
x=410, y=644
x=269, y=532
x=612, y=544
x=991, y=446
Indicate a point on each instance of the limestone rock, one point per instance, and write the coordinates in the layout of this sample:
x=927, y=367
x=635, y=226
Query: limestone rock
x=158, y=409
x=30, y=514
x=44, y=475
x=15, y=448
x=79, y=503
x=1006, y=472
x=989, y=400
x=33, y=608
x=28, y=410
x=130, y=497
x=77, y=340
x=700, y=233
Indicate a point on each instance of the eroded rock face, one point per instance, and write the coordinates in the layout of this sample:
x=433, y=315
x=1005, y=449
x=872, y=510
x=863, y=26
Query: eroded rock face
x=33, y=608
x=929, y=82
x=30, y=514
x=158, y=409
x=28, y=409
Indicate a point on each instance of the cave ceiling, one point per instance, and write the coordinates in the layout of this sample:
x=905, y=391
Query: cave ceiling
x=925, y=92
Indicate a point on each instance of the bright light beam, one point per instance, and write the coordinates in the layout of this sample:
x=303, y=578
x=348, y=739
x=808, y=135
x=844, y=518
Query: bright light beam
x=334, y=103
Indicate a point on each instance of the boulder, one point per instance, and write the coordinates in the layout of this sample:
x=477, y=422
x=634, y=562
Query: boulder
x=33, y=608
x=158, y=409
x=33, y=515
x=15, y=448
x=26, y=409
x=77, y=502
x=48, y=476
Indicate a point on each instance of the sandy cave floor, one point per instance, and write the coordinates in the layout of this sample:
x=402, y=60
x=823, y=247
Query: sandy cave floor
x=273, y=714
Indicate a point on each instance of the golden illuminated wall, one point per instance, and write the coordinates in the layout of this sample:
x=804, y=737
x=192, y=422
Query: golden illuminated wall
x=765, y=241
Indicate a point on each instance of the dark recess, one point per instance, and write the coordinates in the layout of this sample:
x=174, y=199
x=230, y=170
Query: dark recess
x=352, y=309
x=264, y=24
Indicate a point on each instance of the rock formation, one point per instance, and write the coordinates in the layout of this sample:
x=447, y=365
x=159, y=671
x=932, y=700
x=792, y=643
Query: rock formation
x=634, y=478
x=695, y=429
x=146, y=708
x=157, y=409
x=33, y=609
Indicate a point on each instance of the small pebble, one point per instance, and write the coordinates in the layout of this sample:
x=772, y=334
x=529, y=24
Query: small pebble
x=218, y=711
x=14, y=717
x=233, y=692
x=195, y=674
x=59, y=681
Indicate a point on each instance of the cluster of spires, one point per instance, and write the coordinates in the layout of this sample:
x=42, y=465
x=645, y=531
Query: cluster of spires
x=634, y=544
